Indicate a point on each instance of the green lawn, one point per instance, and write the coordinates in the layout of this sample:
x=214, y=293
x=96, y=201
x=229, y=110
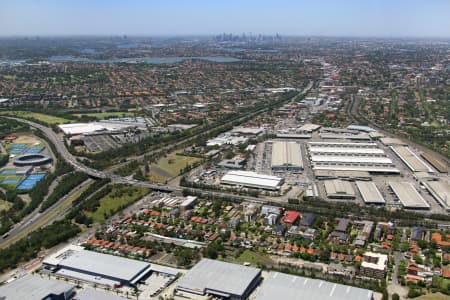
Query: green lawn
x=172, y=165
x=10, y=177
x=435, y=296
x=37, y=116
x=107, y=115
x=118, y=198
x=5, y=205
x=254, y=258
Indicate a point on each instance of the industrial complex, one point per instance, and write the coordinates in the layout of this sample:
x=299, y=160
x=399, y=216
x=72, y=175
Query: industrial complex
x=344, y=156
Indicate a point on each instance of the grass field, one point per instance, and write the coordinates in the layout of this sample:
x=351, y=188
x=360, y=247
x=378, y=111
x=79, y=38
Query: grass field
x=107, y=115
x=37, y=116
x=118, y=198
x=253, y=258
x=435, y=296
x=10, y=177
x=5, y=205
x=170, y=166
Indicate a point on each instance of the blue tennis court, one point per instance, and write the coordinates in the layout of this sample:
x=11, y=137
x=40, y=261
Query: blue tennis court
x=19, y=145
x=18, y=148
x=35, y=150
x=35, y=176
x=30, y=182
x=11, y=181
x=8, y=172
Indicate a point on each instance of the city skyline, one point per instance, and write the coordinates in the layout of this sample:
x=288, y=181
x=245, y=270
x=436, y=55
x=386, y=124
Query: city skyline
x=294, y=18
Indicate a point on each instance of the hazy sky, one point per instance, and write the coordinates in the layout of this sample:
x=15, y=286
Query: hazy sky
x=391, y=18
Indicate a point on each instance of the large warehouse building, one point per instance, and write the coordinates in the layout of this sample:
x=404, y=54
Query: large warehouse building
x=286, y=156
x=369, y=192
x=440, y=190
x=98, y=268
x=220, y=279
x=339, y=189
x=285, y=286
x=414, y=162
x=31, y=287
x=359, y=157
x=252, y=180
x=408, y=195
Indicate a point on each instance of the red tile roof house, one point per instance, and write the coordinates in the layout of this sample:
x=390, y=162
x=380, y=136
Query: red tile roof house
x=291, y=216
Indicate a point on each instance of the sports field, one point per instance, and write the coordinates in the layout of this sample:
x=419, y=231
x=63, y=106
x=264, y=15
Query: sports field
x=48, y=119
x=170, y=167
x=117, y=199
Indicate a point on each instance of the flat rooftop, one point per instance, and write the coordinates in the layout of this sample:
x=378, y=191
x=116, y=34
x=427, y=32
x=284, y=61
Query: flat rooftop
x=339, y=188
x=355, y=167
x=388, y=141
x=285, y=286
x=213, y=275
x=32, y=287
x=440, y=190
x=346, y=150
x=408, y=195
x=438, y=164
x=370, y=192
x=351, y=159
x=376, y=261
x=286, y=154
x=89, y=262
x=342, y=136
x=343, y=144
x=413, y=162
x=251, y=179
x=342, y=174
x=309, y=127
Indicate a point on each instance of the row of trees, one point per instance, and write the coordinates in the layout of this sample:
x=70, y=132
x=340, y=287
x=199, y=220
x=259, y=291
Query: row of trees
x=87, y=203
x=29, y=247
x=67, y=184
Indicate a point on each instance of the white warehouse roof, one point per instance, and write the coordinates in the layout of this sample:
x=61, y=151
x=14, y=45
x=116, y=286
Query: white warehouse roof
x=343, y=144
x=413, y=162
x=252, y=179
x=352, y=159
x=105, y=265
x=286, y=154
x=370, y=192
x=440, y=190
x=408, y=195
x=32, y=287
x=349, y=150
x=336, y=188
x=355, y=167
x=217, y=277
x=285, y=286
